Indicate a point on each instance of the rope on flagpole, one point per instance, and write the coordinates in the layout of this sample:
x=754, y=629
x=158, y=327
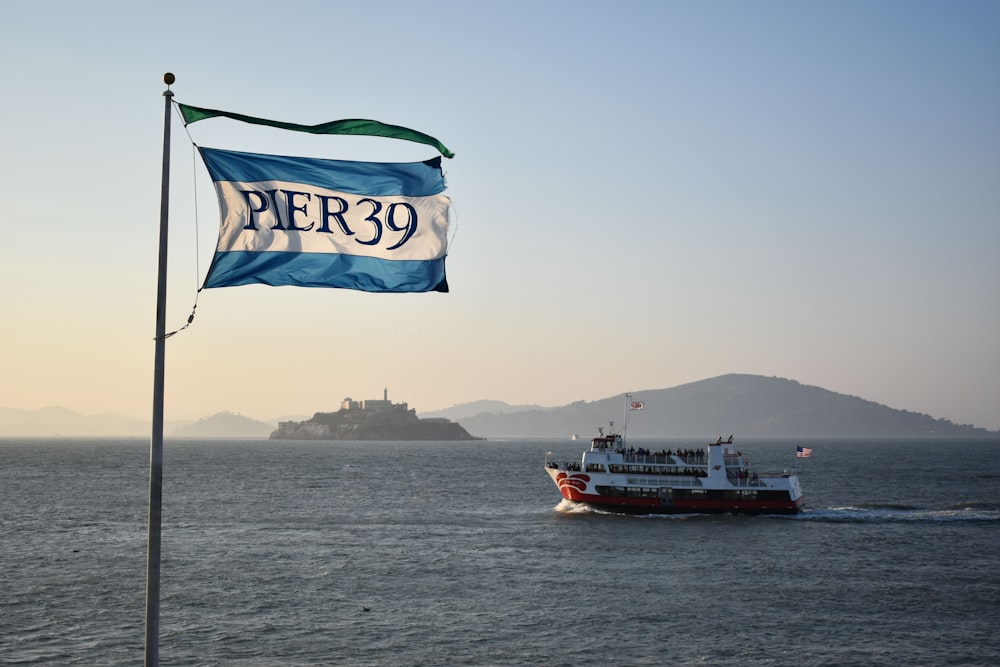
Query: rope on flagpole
x=189, y=320
x=197, y=226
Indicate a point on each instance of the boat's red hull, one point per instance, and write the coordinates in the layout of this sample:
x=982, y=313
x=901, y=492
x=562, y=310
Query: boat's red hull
x=627, y=505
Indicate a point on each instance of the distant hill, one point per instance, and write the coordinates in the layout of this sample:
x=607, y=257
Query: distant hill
x=745, y=405
x=224, y=425
x=57, y=422
x=463, y=410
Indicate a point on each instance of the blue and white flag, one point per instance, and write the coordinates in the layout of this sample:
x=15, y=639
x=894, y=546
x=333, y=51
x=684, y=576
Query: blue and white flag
x=312, y=222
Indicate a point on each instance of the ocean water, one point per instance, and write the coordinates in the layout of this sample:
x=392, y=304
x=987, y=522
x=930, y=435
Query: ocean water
x=464, y=554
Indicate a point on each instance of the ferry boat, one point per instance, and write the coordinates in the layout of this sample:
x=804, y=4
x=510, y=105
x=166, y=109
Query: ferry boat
x=714, y=479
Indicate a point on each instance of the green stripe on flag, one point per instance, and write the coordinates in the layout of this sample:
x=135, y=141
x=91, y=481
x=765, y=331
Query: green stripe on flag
x=358, y=126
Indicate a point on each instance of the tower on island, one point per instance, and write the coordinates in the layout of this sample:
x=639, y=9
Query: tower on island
x=371, y=403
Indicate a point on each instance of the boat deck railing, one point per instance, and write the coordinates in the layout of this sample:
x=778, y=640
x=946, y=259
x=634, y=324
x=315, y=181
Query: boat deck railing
x=750, y=481
x=754, y=480
x=665, y=459
x=659, y=481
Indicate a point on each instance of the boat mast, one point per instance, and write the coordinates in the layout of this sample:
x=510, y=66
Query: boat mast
x=628, y=396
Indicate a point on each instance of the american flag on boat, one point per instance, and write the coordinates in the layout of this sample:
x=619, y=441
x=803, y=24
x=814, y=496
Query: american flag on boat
x=803, y=452
x=637, y=405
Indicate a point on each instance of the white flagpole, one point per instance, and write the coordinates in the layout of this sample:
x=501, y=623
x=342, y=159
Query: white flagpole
x=156, y=443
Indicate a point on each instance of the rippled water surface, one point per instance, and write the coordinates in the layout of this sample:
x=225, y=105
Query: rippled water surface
x=464, y=554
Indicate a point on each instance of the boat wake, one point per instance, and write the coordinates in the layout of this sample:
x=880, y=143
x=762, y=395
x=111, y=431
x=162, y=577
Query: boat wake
x=569, y=507
x=972, y=511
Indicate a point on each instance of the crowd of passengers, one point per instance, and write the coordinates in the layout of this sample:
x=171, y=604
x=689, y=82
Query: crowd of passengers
x=686, y=455
x=690, y=472
x=742, y=477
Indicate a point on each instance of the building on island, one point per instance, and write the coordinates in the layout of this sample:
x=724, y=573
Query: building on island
x=371, y=403
x=371, y=419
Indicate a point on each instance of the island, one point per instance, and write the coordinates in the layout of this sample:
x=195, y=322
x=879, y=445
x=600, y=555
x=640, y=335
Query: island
x=371, y=420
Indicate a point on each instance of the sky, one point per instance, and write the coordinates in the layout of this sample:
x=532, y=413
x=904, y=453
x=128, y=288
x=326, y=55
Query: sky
x=648, y=194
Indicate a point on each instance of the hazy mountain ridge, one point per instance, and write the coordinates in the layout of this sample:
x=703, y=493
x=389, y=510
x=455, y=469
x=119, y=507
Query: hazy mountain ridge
x=463, y=410
x=63, y=422
x=58, y=421
x=744, y=405
x=225, y=425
